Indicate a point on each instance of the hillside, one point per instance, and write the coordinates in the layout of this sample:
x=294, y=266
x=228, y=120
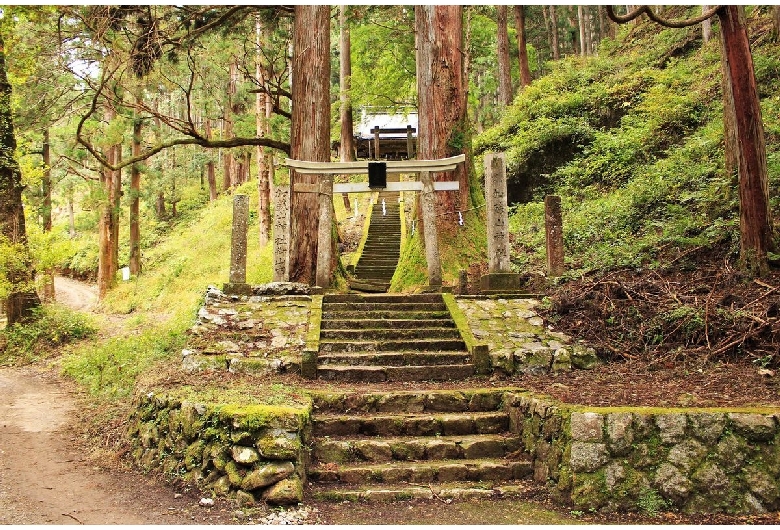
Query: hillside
x=632, y=140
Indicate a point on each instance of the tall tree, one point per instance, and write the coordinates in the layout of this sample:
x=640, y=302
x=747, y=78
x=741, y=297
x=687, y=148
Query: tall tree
x=347, y=145
x=228, y=174
x=556, y=49
x=706, y=26
x=504, y=69
x=263, y=129
x=135, y=199
x=310, y=134
x=522, y=47
x=442, y=91
x=109, y=215
x=22, y=299
x=744, y=130
x=211, y=174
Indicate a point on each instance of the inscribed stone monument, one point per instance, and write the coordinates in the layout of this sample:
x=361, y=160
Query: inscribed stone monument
x=499, y=277
x=281, y=234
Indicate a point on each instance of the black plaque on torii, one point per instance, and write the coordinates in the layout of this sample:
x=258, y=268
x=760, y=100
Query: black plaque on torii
x=377, y=175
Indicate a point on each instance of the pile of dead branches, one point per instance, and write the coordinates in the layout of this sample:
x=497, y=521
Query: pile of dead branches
x=702, y=312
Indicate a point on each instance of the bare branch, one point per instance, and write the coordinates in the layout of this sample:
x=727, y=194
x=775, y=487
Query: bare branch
x=647, y=10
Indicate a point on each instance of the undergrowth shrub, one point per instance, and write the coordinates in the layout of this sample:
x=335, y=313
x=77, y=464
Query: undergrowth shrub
x=109, y=368
x=52, y=327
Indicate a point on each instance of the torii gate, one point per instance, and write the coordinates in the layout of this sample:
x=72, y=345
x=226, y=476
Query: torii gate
x=377, y=172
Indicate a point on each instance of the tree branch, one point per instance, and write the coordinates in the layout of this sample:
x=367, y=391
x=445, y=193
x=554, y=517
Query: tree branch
x=647, y=10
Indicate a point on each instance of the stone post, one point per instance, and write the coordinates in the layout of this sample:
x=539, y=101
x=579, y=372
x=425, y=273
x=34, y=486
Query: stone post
x=497, y=213
x=409, y=142
x=463, y=281
x=553, y=224
x=430, y=234
x=325, y=232
x=376, y=142
x=499, y=277
x=238, y=241
x=281, y=234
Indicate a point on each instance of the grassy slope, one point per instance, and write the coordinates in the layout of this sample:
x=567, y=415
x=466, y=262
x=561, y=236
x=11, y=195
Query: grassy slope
x=632, y=140
x=161, y=304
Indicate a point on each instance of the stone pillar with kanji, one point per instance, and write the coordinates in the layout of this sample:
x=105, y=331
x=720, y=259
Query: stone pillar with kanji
x=500, y=278
x=238, y=241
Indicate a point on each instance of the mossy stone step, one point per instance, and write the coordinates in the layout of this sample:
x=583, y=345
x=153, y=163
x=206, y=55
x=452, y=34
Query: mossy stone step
x=385, y=273
x=395, y=298
x=386, y=314
x=397, y=323
x=332, y=345
x=423, y=472
x=394, y=359
x=369, y=286
x=398, y=307
x=398, y=492
x=470, y=447
x=378, y=265
x=377, y=334
x=431, y=424
x=410, y=401
x=381, y=374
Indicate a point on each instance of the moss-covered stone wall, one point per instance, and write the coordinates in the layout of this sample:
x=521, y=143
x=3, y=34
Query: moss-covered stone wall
x=695, y=460
x=255, y=452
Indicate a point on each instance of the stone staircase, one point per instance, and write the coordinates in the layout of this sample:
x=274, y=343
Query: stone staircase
x=377, y=263
x=422, y=444
x=377, y=338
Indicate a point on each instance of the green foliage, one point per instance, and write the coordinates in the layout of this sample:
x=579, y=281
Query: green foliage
x=412, y=271
x=53, y=327
x=11, y=260
x=109, y=368
x=633, y=142
x=383, y=59
x=650, y=502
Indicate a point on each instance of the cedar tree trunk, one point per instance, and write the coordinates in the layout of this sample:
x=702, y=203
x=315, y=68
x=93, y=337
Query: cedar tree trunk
x=135, y=198
x=504, y=68
x=742, y=105
x=441, y=89
x=347, y=153
x=310, y=132
x=522, y=47
x=23, y=300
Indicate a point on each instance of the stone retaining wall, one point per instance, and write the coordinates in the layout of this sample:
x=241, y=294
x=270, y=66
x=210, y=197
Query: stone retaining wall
x=696, y=460
x=251, y=451
x=259, y=333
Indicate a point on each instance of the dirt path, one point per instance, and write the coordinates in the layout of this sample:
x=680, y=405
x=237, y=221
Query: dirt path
x=75, y=294
x=44, y=479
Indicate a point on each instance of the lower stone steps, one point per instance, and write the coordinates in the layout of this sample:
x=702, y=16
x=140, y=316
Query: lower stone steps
x=400, y=492
x=422, y=472
x=381, y=374
x=402, y=445
x=387, y=448
x=405, y=424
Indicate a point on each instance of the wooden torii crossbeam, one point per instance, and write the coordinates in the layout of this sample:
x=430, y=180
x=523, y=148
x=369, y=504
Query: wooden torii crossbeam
x=326, y=188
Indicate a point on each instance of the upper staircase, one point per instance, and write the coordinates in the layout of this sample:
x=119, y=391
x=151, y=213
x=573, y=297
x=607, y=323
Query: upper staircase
x=379, y=259
x=376, y=338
